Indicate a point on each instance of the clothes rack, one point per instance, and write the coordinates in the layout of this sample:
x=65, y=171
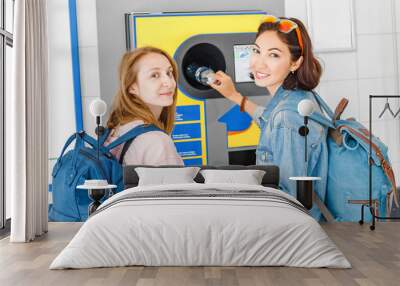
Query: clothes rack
x=370, y=203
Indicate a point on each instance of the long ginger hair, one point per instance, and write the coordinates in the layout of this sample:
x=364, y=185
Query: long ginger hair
x=128, y=107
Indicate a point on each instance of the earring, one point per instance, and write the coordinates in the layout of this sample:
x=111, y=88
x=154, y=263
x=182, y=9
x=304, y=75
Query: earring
x=292, y=72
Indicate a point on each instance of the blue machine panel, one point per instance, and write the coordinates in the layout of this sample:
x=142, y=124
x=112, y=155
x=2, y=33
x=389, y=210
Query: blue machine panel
x=193, y=162
x=187, y=113
x=186, y=131
x=189, y=149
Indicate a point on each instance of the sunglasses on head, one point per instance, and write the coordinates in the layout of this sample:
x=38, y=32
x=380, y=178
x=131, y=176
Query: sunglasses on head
x=285, y=26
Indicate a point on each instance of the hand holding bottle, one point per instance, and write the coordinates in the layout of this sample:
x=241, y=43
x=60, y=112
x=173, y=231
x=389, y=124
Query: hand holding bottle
x=225, y=86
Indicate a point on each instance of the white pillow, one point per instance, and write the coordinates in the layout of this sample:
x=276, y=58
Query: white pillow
x=164, y=176
x=249, y=177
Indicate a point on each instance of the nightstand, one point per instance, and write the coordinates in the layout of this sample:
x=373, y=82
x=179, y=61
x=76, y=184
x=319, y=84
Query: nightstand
x=305, y=194
x=96, y=193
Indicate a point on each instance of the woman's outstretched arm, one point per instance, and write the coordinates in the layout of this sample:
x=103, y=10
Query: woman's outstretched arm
x=225, y=86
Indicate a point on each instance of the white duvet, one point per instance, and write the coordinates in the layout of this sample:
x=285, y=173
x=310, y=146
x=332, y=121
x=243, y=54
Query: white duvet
x=185, y=231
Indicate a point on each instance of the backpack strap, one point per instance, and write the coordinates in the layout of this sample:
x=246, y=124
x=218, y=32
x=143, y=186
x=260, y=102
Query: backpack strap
x=93, y=142
x=104, y=136
x=80, y=138
x=132, y=134
x=124, y=149
x=316, y=116
x=67, y=143
x=321, y=119
x=57, y=166
x=324, y=106
x=340, y=108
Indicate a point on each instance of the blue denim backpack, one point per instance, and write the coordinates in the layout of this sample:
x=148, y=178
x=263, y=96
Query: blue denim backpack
x=81, y=163
x=348, y=166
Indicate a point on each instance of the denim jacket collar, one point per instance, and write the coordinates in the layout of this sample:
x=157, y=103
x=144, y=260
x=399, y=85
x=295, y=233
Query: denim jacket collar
x=280, y=94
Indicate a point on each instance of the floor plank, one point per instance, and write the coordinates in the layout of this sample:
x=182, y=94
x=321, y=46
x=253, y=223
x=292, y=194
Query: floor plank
x=374, y=255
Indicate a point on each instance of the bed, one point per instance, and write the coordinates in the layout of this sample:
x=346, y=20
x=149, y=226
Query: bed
x=201, y=224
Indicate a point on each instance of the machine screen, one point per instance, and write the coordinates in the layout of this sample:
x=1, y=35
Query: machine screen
x=242, y=55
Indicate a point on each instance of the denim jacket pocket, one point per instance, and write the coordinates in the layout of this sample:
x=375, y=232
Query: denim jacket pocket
x=263, y=156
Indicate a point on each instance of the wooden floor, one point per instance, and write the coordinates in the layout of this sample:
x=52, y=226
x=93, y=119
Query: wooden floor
x=374, y=255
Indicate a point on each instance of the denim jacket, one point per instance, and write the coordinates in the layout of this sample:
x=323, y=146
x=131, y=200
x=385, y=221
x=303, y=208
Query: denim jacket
x=281, y=144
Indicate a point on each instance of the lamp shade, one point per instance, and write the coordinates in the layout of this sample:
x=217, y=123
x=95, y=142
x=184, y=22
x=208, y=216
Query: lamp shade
x=305, y=107
x=98, y=107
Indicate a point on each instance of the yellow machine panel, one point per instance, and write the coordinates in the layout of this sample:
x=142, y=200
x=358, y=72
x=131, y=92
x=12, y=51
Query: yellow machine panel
x=168, y=32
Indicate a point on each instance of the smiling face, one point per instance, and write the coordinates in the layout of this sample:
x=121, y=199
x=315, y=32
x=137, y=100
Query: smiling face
x=271, y=61
x=155, y=83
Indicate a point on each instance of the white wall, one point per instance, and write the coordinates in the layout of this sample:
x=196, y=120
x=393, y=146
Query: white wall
x=89, y=59
x=372, y=68
x=61, y=104
x=61, y=93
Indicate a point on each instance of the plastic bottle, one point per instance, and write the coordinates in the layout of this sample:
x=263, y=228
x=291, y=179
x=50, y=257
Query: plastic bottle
x=201, y=74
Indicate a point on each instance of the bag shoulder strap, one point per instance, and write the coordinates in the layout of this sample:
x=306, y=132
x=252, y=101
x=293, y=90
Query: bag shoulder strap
x=133, y=133
x=324, y=106
x=340, y=108
x=315, y=116
x=124, y=150
x=67, y=143
x=321, y=119
x=93, y=142
x=104, y=136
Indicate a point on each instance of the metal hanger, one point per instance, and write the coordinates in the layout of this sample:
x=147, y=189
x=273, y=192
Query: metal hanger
x=387, y=107
x=397, y=113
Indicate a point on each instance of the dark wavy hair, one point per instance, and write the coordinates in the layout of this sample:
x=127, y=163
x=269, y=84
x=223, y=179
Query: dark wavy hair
x=307, y=76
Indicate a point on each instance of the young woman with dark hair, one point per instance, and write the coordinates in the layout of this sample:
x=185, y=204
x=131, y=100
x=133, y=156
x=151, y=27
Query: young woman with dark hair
x=283, y=63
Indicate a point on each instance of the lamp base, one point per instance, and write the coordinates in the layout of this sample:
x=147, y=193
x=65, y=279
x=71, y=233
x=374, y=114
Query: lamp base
x=304, y=193
x=95, y=195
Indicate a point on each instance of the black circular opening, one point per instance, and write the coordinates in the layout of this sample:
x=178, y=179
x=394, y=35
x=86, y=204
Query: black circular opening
x=203, y=54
